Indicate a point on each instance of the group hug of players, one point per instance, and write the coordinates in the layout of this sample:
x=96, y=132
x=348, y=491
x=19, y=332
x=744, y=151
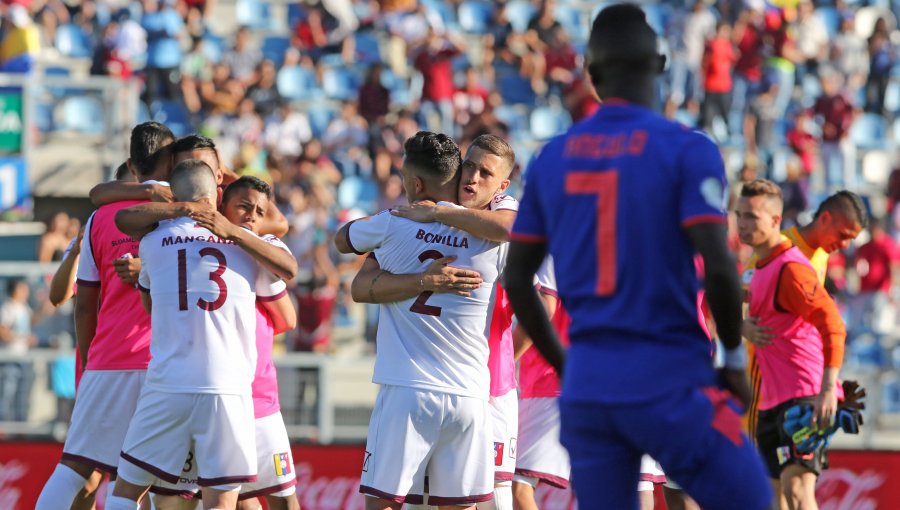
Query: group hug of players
x=178, y=393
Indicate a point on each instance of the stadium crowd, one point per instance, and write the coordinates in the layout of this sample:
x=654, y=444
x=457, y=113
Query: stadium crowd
x=319, y=105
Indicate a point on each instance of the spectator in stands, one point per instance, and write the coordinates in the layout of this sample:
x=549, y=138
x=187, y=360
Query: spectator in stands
x=314, y=165
x=780, y=45
x=106, y=60
x=763, y=115
x=374, y=98
x=15, y=339
x=470, y=100
x=345, y=139
x=163, y=26
x=812, y=40
x=561, y=63
x=893, y=190
x=220, y=93
x=541, y=26
x=688, y=34
x=287, y=130
x=53, y=242
x=881, y=60
x=802, y=141
x=795, y=190
x=434, y=59
x=748, y=68
x=264, y=91
x=850, y=54
x=243, y=58
x=21, y=41
x=716, y=69
x=579, y=98
x=877, y=263
x=246, y=126
x=838, y=151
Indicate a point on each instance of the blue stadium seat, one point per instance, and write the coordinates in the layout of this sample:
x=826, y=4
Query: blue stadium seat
x=368, y=49
x=890, y=394
x=339, y=83
x=515, y=89
x=830, y=18
x=519, y=14
x=43, y=116
x=868, y=131
x=174, y=115
x=515, y=118
x=657, y=16
x=474, y=16
x=253, y=14
x=547, y=122
x=296, y=83
x=865, y=352
x=319, y=117
x=273, y=48
x=295, y=14
x=83, y=114
x=358, y=192
x=72, y=42
x=892, y=97
x=443, y=9
x=572, y=18
x=213, y=47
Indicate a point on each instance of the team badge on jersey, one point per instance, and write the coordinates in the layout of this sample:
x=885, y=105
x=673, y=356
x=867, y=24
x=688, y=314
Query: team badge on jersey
x=498, y=454
x=282, y=463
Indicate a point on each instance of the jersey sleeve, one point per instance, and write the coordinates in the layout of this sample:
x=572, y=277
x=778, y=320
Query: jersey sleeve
x=530, y=226
x=144, y=276
x=275, y=241
x=799, y=292
x=367, y=234
x=703, y=185
x=88, y=274
x=269, y=287
x=545, y=278
x=504, y=203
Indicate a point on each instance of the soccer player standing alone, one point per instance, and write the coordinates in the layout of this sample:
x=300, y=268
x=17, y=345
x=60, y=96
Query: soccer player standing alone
x=601, y=199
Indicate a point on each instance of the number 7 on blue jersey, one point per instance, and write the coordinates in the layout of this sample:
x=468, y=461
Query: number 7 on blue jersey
x=605, y=186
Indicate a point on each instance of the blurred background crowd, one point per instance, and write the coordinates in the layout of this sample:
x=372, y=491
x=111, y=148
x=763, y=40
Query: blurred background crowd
x=317, y=97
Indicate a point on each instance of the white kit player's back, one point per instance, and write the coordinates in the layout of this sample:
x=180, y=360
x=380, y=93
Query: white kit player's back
x=417, y=336
x=203, y=290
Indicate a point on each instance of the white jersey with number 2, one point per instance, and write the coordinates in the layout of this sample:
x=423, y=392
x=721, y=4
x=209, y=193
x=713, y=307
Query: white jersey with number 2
x=203, y=320
x=432, y=341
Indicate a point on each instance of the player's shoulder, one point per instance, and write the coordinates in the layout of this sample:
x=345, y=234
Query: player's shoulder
x=502, y=201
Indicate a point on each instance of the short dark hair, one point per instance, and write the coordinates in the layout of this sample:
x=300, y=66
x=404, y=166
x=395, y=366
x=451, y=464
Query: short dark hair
x=847, y=204
x=12, y=284
x=621, y=40
x=433, y=156
x=193, y=143
x=121, y=171
x=247, y=182
x=147, y=141
x=194, y=177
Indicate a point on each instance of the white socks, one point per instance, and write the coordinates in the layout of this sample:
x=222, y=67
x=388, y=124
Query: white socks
x=120, y=503
x=61, y=489
x=503, y=498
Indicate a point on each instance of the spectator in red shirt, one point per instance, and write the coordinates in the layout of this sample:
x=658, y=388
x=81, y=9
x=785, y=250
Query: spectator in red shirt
x=471, y=100
x=838, y=151
x=435, y=61
x=748, y=69
x=718, y=61
x=374, y=98
x=803, y=142
x=877, y=263
x=561, y=61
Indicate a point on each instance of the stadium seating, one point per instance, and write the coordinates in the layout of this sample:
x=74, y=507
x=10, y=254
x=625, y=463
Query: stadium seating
x=83, y=114
x=297, y=84
x=547, y=122
x=319, y=116
x=339, y=83
x=71, y=41
x=274, y=47
x=253, y=14
x=830, y=18
x=174, y=115
x=475, y=16
x=213, y=47
x=519, y=14
x=367, y=47
x=868, y=131
x=515, y=89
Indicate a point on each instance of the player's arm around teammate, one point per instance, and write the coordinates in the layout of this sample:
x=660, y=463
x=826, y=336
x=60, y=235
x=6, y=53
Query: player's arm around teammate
x=484, y=223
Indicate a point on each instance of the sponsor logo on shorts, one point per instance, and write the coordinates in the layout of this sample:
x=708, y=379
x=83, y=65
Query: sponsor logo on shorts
x=282, y=463
x=784, y=454
x=366, y=461
x=498, y=454
x=512, y=448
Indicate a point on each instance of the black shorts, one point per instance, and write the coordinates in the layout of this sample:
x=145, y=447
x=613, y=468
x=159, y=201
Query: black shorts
x=777, y=448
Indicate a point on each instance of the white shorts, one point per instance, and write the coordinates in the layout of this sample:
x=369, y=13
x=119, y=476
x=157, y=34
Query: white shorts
x=416, y=433
x=651, y=474
x=165, y=425
x=540, y=454
x=275, y=466
x=104, y=406
x=505, y=424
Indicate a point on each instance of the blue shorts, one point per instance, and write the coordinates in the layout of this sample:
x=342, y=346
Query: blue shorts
x=695, y=434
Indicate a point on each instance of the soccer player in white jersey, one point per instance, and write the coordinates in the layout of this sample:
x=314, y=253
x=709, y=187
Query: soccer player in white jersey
x=241, y=208
x=488, y=214
x=200, y=290
x=431, y=416
x=113, y=335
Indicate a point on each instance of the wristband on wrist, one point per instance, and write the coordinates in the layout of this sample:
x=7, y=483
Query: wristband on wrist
x=735, y=359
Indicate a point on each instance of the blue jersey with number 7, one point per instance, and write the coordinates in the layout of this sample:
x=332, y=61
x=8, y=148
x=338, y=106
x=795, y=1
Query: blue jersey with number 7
x=612, y=198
